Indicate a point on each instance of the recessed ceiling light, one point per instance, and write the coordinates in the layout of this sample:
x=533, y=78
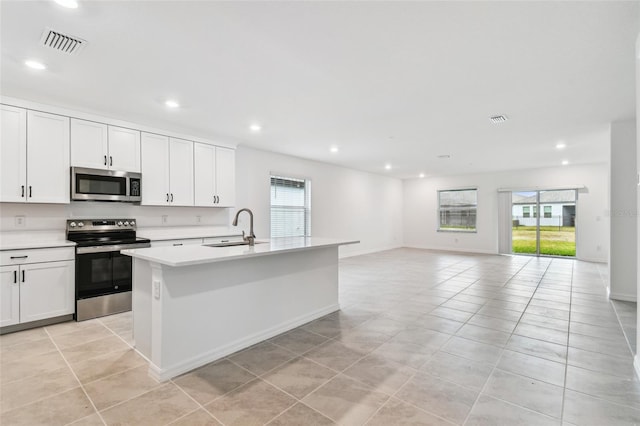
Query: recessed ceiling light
x=565, y=162
x=172, y=104
x=35, y=65
x=561, y=145
x=497, y=119
x=387, y=166
x=421, y=175
x=255, y=128
x=333, y=149
x=69, y=4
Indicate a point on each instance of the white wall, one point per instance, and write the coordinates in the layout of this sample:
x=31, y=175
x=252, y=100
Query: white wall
x=345, y=203
x=622, y=193
x=592, y=222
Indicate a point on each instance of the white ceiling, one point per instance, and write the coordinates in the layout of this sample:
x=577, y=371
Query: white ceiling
x=386, y=82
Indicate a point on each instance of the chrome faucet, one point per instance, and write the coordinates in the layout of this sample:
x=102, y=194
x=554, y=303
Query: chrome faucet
x=251, y=239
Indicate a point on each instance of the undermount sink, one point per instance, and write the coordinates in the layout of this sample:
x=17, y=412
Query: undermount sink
x=232, y=243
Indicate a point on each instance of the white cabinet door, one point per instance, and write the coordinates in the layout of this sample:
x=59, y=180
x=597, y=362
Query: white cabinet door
x=47, y=158
x=124, y=149
x=47, y=291
x=9, y=295
x=89, y=144
x=204, y=162
x=225, y=177
x=181, y=172
x=155, y=170
x=13, y=154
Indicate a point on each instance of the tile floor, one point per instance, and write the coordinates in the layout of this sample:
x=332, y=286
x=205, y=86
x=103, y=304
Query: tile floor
x=423, y=338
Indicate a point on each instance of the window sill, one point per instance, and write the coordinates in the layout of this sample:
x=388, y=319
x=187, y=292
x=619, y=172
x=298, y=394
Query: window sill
x=459, y=231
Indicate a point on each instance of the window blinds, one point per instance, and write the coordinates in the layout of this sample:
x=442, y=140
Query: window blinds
x=290, y=207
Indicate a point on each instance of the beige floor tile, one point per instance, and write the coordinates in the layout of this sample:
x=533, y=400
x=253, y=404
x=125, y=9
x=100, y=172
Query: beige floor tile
x=362, y=341
x=542, y=333
x=19, y=351
x=346, y=401
x=119, y=387
x=422, y=337
x=380, y=373
x=397, y=413
x=301, y=414
x=499, y=324
x=534, y=367
x=255, y=403
x=585, y=410
x=474, y=350
x=106, y=365
x=617, y=366
x=93, y=348
x=483, y=335
x=299, y=377
x=59, y=409
x=462, y=371
x=605, y=386
x=199, y=417
x=85, y=334
x=22, y=392
x=451, y=313
x=408, y=354
x=262, y=357
x=159, y=406
x=442, y=398
x=19, y=337
x=72, y=326
x=213, y=380
x=384, y=325
x=91, y=420
x=298, y=340
x=440, y=324
x=538, y=348
x=492, y=412
x=335, y=355
x=526, y=392
x=31, y=366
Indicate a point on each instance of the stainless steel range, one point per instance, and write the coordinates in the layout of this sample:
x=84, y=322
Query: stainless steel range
x=103, y=275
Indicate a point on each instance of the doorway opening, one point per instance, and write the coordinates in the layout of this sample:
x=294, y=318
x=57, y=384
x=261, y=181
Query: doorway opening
x=544, y=222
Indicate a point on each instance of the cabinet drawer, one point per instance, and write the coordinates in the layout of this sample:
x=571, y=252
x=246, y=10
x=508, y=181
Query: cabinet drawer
x=183, y=242
x=18, y=257
x=219, y=240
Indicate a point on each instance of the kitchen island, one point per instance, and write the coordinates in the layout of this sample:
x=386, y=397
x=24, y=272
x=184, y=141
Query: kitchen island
x=195, y=304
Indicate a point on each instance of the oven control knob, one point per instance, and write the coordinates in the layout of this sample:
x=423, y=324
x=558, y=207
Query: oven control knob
x=72, y=225
x=132, y=223
x=80, y=224
x=119, y=223
x=126, y=224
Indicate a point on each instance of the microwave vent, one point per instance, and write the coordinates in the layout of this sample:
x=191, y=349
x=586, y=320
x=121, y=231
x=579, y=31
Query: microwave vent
x=61, y=42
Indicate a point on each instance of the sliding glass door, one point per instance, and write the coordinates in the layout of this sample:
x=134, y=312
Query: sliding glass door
x=544, y=222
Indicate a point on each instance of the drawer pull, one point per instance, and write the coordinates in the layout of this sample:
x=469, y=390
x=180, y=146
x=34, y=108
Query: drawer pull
x=23, y=275
x=19, y=257
x=178, y=244
x=15, y=277
x=22, y=186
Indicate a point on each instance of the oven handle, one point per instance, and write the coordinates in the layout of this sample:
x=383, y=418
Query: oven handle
x=110, y=248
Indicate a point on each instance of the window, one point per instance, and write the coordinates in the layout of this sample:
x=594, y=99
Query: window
x=526, y=211
x=547, y=212
x=290, y=207
x=535, y=211
x=457, y=210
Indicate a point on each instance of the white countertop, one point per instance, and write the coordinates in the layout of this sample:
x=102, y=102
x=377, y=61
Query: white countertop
x=18, y=240
x=198, y=254
x=186, y=232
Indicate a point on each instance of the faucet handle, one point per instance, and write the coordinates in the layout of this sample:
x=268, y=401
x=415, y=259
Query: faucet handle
x=243, y=237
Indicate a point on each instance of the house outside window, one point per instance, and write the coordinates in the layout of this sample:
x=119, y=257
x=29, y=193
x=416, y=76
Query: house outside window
x=457, y=210
x=526, y=211
x=290, y=207
x=547, y=212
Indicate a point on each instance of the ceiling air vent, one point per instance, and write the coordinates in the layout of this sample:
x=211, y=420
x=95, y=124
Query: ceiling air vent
x=497, y=119
x=62, y=42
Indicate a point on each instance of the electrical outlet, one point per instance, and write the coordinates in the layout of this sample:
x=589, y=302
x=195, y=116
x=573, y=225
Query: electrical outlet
x=21, y=221
x=165, y=219
x=455, y=240
x=198, y=219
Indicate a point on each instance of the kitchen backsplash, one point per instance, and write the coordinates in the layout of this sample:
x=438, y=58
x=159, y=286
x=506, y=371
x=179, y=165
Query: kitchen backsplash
x=31, y=217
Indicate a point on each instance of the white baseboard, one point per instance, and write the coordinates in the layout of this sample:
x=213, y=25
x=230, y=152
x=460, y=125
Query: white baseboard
x=592, y=259
x=452, y=249
x=213, y=355
x=368, y=251
x=622, y=296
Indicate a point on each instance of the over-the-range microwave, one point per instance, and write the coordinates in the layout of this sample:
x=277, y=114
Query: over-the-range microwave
x=105, y=185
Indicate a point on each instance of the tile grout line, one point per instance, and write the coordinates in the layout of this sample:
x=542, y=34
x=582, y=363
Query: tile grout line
x=200, y=406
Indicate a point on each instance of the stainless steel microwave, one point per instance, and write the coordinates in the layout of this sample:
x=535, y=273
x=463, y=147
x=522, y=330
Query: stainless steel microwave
x=105, y=185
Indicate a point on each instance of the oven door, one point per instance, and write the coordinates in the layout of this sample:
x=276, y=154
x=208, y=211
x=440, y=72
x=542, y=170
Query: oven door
x=94, y=184
x=102, y=273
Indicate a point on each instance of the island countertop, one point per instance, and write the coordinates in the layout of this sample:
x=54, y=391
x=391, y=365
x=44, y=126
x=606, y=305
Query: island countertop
x=199, y=254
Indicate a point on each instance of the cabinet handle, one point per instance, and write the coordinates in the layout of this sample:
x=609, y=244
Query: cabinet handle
x=23, y=275
x=167, y=197
x=105, y=160
x=177, y=244
x=15, y=277
x=110, y=160
x=19, y=257
x=22, y=186
x=30, y=191
x=172, y=197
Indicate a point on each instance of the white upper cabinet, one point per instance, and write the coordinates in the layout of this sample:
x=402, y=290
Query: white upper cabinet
x=124, y=149
x=13, y=154
x=214, y=176
x=34, y=157
x=99, y=146
x=167, y=171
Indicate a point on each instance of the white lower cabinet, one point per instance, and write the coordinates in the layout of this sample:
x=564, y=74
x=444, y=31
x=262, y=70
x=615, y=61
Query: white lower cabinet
x=36, y=291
